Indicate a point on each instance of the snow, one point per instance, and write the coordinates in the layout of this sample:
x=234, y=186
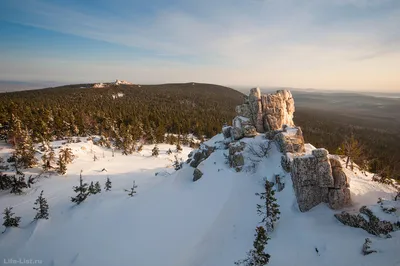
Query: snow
x=173, y=221
x=118, y=95
x=122, y=82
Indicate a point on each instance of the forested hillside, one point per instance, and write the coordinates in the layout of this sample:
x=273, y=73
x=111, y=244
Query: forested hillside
x=141, y=111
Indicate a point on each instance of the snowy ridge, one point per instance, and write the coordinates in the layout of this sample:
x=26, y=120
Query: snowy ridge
x=173, y=221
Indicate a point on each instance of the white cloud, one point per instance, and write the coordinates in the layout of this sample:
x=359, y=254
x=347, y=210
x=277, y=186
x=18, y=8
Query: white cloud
x=265, y=42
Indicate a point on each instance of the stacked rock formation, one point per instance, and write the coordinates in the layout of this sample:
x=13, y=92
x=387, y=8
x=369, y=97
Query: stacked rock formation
x=319, y=178
x=316, y=178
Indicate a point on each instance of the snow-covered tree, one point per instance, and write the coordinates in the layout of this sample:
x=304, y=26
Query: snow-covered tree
x=178, y=163
x=97, y=187
x=269, y=211
x=62, y=167
x=91, y=189
x=108, y=185
x=82, y=191
x=155, y=151
x=42, y=207
x=132, y=190
x=67, y=155
x=257, y=255
x=9, y=220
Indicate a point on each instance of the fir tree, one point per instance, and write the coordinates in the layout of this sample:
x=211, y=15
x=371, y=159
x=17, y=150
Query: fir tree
x=178, y=163
x=82, y=191
x=97, y=187
x=155, y=151
x=5, y=180
x=24, y=150
x=9, y=220
x=270, y=209
x=46, y=163
x=67, y=155
x=62, y=167
x=178, y=147
x=132, y=190
x=42, y=208
x=257, y=255
x=18, y=184
x=91, y=188
x=140, y=148
x=107, y=187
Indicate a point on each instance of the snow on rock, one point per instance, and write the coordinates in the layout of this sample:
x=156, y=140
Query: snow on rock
x=99, y=85
x=122, y=82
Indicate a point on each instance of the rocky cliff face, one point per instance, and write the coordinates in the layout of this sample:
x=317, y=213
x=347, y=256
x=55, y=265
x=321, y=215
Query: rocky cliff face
x=317, y=177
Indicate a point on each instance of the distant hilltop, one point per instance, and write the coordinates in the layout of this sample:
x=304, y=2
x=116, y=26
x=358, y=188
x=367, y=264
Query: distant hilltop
x=116, y=82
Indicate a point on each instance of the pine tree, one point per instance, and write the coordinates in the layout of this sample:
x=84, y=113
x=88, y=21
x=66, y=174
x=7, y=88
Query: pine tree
x=178, y=147
x=178, y=163
x=270, y=209
x=155, y=151
x=24, y=150
x=82, y=191
x=257, y=255
x=97, y=187
x=352, y=149
x=5, y=180
x=9, y=220
x=67, y=155
x=108, y=184
x=17, y=184
x=140, y=148
x=132, y=190
x=46, y=163
x=62, y=167
x=92, y=189
x=42, y=209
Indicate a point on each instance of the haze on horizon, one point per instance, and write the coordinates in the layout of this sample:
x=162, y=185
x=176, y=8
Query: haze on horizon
x=335, y=44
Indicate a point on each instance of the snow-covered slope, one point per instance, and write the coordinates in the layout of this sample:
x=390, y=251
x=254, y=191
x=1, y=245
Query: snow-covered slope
x=173, y=221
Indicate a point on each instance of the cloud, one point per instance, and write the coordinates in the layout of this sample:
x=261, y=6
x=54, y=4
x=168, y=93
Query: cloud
x=267, y=41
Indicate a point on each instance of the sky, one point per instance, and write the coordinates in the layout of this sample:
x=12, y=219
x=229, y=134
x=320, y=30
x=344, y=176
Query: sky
x=322, y=44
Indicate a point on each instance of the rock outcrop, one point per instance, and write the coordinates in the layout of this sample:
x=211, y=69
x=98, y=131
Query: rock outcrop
x=316, y=178
x=235, y=157
x=314, y=181
x=197, y=156
x=367, y=221
x=266, y=112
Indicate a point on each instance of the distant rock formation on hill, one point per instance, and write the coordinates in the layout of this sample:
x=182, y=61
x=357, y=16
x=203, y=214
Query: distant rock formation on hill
x=116, y=82
x=317, y=177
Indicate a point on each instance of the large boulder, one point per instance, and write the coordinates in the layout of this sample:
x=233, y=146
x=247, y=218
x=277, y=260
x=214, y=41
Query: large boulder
x=249, y=131
x=288, y=139
x=197, y=174
x=314, y=181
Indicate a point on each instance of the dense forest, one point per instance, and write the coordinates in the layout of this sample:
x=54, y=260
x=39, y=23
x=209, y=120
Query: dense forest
x=141, y=111
x=131, y=113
